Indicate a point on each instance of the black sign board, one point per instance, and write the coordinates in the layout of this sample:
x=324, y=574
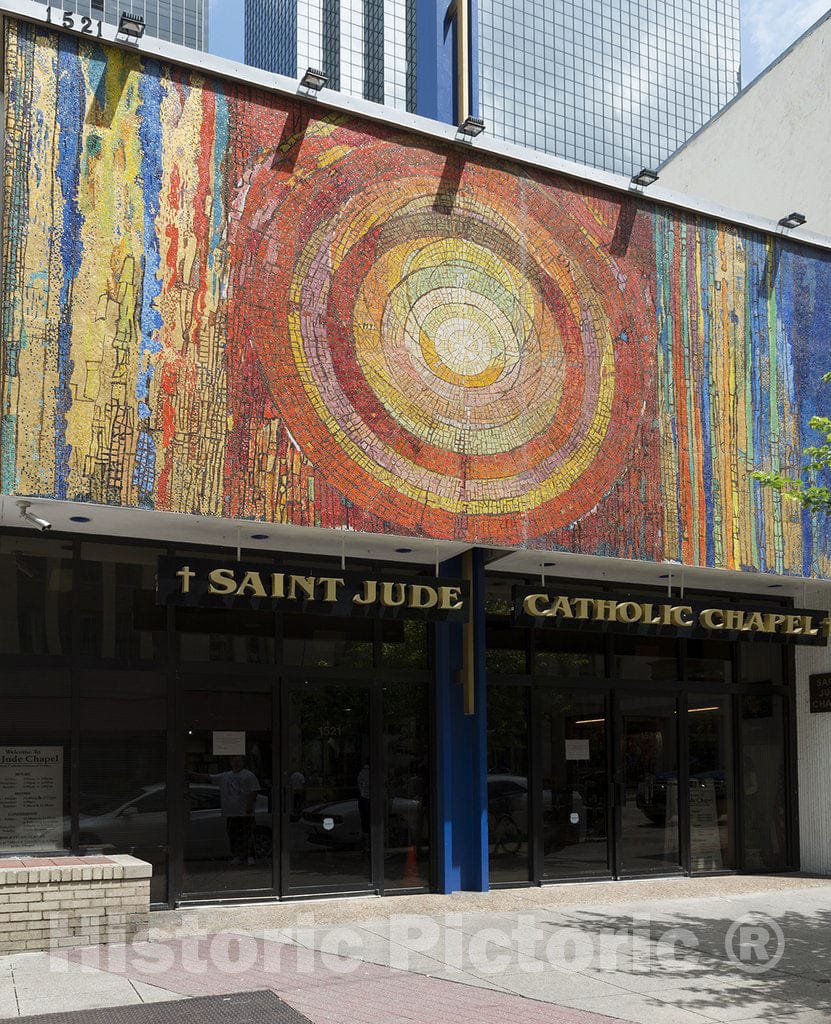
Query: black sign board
x=820, y=692
x=227, y=584
x=667, y=616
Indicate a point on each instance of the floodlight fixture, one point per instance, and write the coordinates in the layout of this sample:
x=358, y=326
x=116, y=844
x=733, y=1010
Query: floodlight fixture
x=645, y=177
x=131, y=25
x=472, y=126
x=793, y=220
x=314, y=79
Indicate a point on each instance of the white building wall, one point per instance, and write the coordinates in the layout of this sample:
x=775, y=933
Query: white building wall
x=814, y=750
x=769, y=151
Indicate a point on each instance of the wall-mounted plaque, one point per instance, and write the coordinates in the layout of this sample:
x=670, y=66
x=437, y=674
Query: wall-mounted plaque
x=820, y=688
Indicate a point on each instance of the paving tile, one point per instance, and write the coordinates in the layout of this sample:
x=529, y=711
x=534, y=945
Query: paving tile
x=759, y=997
x=641, y=1010
x=8, y=999
x=152, y=994
x=41, y=998
x=555, y=986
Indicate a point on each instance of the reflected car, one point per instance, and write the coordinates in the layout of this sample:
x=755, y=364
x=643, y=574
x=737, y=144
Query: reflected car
x=338, y=824
x=139, y=825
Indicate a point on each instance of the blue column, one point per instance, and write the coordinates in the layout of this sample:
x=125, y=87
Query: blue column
x=462, y=750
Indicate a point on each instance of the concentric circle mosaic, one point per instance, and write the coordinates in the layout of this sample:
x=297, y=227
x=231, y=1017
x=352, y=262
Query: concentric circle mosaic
x=454, y=349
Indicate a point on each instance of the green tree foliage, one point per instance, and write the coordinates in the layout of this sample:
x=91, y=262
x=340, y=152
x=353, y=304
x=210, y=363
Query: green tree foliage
x=805, y=490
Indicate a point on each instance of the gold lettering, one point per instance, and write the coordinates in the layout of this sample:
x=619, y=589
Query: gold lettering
x=680, y=615
x=532, y=605
x=825, y=625
x=664, y=616
x=278, y=584
x=450, y=599
x=393, y=595
x=793, y=624
x=712, y=618
x=754, y=622
x=422, y=596
x=648, y=615
x=304, y=584
x=369, y=595
x=629, y=611
x=562, y=606
x=581, y=608
x=251, y=582
x=808, y=626
x=221, y=581
x=773, y=620
x=330, y=587
x=733, y=619
x=605, y=611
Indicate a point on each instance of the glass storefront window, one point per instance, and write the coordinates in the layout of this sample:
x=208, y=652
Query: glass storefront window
x=709, y=661
x=228, y=788
x=712, y=817
x=761, y=662
x=646, y=657
x=764, y=796
x=647, y=786
x=319, y=641
x=329, y=757
x=34, y=762
x=407, y=791
x=569, y=653
x=506, y=647
x=508, y=784
x=575, y=784
x=404, y=644
x=123, y=791
x=119, y=615
x=36, y=596
x=217, y=634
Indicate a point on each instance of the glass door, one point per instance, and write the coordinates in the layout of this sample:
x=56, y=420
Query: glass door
x=329, y=788
x=574, y=784
x=646, y=791
x=228, y=820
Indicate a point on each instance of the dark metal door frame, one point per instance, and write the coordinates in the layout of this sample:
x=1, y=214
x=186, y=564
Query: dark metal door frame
x=617, y=786
x=296, y=681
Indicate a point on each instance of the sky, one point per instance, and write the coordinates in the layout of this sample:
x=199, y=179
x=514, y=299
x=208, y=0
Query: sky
x=768, y=28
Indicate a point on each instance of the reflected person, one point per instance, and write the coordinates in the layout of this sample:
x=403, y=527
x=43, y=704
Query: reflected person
x=238, y=790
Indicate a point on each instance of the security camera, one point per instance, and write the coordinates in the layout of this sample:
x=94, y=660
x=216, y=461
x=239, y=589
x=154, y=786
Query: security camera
x=41, y=524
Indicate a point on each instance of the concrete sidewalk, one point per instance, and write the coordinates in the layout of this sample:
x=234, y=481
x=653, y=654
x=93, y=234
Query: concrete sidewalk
x=682, y=951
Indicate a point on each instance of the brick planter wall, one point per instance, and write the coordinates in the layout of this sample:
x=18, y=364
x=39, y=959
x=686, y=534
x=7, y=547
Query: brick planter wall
x=49, y=902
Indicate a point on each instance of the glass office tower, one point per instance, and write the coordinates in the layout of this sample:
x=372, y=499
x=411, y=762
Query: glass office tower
x=365, y=47
x=616, y=84
x=176, y=21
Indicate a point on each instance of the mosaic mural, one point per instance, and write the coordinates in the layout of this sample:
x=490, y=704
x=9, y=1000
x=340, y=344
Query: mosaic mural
x=223, y=302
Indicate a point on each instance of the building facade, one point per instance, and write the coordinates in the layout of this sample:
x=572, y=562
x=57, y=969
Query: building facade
x=377, y=514
x=615, y=86
x=756, y=155
x=366, y=48
x=176, y=21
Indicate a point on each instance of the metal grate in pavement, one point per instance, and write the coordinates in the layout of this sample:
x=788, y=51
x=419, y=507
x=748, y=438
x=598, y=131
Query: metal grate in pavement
x=239, y=1008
